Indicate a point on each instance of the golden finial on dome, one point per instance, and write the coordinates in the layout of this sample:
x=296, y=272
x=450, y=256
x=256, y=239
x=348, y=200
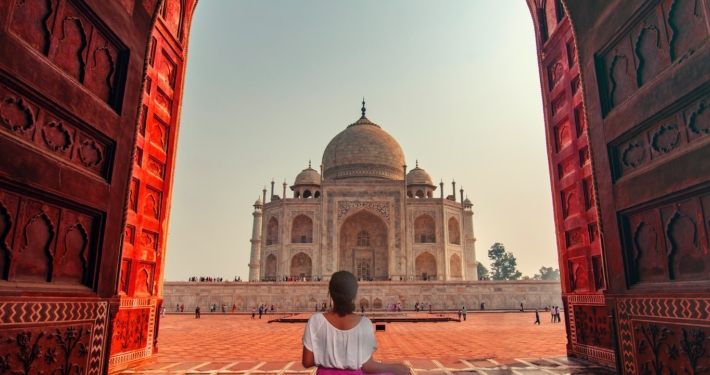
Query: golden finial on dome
x=363, y=106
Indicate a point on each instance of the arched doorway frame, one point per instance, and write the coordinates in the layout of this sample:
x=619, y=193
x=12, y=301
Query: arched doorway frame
x=387, y=228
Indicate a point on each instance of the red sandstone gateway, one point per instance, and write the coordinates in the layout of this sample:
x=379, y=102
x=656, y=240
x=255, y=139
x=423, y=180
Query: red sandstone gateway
x=90, y=97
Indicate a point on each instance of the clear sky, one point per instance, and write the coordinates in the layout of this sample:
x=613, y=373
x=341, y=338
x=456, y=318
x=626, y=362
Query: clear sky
x=270, y=83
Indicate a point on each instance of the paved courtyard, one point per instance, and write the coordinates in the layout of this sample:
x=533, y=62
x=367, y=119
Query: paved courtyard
x=487, y=343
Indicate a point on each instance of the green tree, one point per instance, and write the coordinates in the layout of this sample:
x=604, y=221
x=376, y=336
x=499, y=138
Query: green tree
x=547, y=273
x=504, y=266
x=482, y=271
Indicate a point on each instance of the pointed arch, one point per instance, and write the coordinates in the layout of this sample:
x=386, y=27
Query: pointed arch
x=301, y=266
x=270, y=269
x=73, y=260
x=425, y=266
x=455, y=267
x=454, y=231
x=302, y=229
x=272, y=231
x=424, y=229
x=35, y=260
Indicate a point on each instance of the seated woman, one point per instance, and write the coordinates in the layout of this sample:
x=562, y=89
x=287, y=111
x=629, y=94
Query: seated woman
x=340, y=342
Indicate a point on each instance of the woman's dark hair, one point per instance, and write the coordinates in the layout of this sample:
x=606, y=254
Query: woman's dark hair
x=343, y=289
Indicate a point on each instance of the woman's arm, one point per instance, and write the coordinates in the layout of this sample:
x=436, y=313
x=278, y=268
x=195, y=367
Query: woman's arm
x=374, y=367
x=307, y=359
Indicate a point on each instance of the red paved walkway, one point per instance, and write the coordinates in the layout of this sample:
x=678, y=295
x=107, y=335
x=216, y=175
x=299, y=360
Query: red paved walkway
x=492, y=343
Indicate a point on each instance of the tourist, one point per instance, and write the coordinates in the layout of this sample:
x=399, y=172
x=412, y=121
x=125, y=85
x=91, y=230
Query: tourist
x=234, y=308
x=482, y=306
x=552, y=314
x=272, y=309
x=224, y=309
x=197, y=312
x=177, y=308
x=429, y=309
x=182, y=307
x=340, y=342
x=521, y=307
x=537, y=317
x=261, y=310
x=463, y=310
x=163, y=311
x=253, y=312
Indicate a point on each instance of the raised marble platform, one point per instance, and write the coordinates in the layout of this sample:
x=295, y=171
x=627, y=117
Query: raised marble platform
x=303, y=296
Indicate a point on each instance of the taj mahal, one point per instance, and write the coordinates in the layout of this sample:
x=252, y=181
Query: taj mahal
x=364, y=213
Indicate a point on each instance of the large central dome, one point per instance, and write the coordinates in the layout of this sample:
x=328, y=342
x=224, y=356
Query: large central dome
x=363, y=150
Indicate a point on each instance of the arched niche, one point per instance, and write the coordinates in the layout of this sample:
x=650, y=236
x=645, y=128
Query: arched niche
x=425, y=266
x=364, y=303
x=302, y=229
x=270, y=267
x=301, y=266
x=377, y=303
x=424, y=229
x=454, y=231
x=272, y=231
x=307, y=194
x=363, y=245
x=455, y=267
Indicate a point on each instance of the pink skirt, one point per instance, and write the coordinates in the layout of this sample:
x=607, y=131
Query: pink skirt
x=335, y=371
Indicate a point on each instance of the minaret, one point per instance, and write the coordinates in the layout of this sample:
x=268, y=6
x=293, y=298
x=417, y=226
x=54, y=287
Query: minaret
x=272, y=191
x=255, y=259
x=469, y=249
x=285, y=184
x=441, y=190
x=453, y=187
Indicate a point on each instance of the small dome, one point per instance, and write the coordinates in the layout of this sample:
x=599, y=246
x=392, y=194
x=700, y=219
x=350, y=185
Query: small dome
x=418, y=176
x=308, y=176
x=467, y=202
x=259, y=202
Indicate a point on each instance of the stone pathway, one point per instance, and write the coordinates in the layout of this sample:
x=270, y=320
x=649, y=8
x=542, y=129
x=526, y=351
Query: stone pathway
x=487, y=343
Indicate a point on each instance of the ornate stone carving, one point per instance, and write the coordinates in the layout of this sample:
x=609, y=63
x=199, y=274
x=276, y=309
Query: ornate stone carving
x=666, y=138
x=346, y=207
x=363, y=170
x=634, y=154
x=56, y=136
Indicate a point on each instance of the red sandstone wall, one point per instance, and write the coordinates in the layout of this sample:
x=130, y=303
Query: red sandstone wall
x=578, y=243
x=135, y=328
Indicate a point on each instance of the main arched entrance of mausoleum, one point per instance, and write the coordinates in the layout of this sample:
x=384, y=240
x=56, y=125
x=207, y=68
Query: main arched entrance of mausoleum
x=363, y=245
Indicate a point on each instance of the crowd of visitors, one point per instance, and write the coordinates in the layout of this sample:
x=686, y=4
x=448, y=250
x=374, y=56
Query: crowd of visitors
x=203, y=279
x=291, y=278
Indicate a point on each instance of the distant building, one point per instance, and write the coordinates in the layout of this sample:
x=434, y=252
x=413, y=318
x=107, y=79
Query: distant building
x=364, y=213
